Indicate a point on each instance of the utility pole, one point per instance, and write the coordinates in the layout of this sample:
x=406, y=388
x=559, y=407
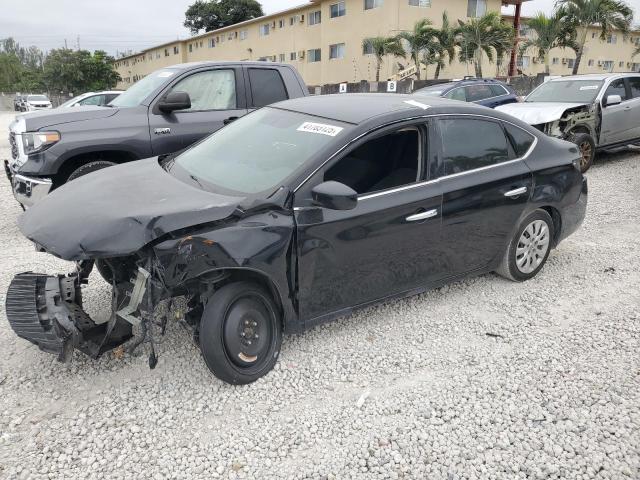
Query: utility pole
x=65, y=43
x=78, y=42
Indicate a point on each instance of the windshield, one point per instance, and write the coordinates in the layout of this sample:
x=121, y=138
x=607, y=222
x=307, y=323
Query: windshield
x=37, y=98
x=257, y=152
x=566, y=91
x=142, y=89
x=70, y=101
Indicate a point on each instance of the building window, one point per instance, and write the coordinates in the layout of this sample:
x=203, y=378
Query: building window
x=607, y=65
x=190, y=47
x=166, y=52
x=264, y=30
x=315, y=18
x=176, y=50
x=612, y=39
x=293, y=56
x=212, y=42
x=555, y=60
x=590, y=63
x=295, y=19
x=635, y=67
x=281, y=23
x=369, y=4
x=476, y=8
x=419, y=3
x=336, y=50
x=523, y=62
x=282, y=57
x=367, y=49
x=314, y=55
x=337, y=10
x=593, y=35
x=570, y=62
x=620, y=64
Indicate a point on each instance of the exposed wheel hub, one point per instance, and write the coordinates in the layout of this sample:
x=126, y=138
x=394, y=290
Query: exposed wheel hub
x=246, y=331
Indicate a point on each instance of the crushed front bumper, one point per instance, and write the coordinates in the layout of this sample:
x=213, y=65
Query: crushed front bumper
x=47, y=311
x=27, y=190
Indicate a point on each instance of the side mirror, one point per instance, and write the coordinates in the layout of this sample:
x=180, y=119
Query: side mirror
x=174, y=101
x=335, y=196
x=612, y=100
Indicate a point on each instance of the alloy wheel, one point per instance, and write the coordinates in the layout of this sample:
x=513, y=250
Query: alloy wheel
x=532, y=247
x=585, y=152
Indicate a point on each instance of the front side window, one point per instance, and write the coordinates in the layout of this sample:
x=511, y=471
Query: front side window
x=210, y=90
x=617, y=88
x=572, y=91
x=93, y=100
x=369, y=4
x=266, y=86
x=315, y=55
x=385, y=162
x=281, y=142
x=468, y=144
x=336, y=51
x=315, y=18
x=338, y=10
x=634, y=83
x=476, y=8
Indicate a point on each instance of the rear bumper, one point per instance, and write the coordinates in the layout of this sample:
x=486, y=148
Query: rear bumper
x=47, y=311
x=573, y=215
x=27, y=190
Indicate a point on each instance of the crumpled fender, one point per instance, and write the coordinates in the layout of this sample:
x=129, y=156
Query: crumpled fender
x=536, y=113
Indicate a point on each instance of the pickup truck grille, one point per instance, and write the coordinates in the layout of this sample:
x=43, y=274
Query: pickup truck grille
x=14, y=145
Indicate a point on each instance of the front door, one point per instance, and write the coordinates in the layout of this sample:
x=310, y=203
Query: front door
x=217, y=97
x=388, y=244
x=485, y=190
x=617, y=124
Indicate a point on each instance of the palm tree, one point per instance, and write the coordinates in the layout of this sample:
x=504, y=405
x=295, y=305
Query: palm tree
x=418, y=40
x=446, y=37
x=607, y=15
x=381, y=47
x=481, y=36
x=550, y=32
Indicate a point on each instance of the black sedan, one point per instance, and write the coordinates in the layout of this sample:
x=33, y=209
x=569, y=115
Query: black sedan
x=294, y=215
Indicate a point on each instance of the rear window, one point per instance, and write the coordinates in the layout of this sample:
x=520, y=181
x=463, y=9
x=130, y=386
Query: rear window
x=521, y=141
x=498, y=90
x=267, y=86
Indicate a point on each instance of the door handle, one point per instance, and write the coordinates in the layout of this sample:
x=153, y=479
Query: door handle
x=422, y=215
x=516, y=192
x=227, y=121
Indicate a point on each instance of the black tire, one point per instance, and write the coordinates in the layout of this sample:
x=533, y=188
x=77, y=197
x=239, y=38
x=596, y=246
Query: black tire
x=240, y=333
x=518, y=249
x=587, y=148
x=89, y=167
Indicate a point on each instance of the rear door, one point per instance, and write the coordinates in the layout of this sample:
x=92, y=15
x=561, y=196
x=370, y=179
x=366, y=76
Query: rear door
x=617, y=125
x=485, y=190
x=217, y=97
x=265, y=86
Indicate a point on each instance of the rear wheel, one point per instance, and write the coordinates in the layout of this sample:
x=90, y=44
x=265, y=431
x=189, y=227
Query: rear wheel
x=529, y=248
x=240, y=333
x=89, y=167
x=586, y=147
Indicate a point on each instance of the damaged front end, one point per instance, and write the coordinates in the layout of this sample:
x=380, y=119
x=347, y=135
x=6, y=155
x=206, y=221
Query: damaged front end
x=47, y=311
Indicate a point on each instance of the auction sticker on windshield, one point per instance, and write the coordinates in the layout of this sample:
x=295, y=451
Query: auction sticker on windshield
x=321, y=128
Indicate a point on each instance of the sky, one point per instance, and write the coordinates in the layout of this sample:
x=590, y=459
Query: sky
x=123, y=25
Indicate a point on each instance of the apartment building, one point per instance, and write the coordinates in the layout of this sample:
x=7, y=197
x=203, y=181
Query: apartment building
x=613, y=54
x=323, y=40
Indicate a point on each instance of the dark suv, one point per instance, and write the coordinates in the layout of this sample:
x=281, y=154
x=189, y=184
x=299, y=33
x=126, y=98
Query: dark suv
x=485, y=92
x=166, y=111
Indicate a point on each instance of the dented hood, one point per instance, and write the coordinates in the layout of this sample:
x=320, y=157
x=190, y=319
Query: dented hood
x=535, y=113
x=118, y=210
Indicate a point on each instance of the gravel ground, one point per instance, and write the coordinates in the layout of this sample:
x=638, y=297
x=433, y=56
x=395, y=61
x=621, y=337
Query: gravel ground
x=480, y=379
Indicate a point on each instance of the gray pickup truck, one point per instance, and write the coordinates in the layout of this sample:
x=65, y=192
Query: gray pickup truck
x=165, y=112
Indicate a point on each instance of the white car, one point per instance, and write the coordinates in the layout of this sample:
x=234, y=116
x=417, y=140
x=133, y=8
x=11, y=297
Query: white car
x=36, y=102
x=92, y=98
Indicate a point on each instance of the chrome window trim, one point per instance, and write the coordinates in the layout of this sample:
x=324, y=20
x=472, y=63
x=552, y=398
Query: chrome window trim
x=417, y=184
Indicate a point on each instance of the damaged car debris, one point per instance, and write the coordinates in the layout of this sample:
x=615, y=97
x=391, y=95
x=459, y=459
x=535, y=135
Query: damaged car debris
x=292, y=216
x=596, y=112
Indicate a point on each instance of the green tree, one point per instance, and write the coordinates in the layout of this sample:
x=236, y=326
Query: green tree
x=550, y=32
x=207, y=15
x=421, y=42
x=20, y=68
x=381, y=47
x=446, y=37
x=606, y=15
x=481, y=36
x=79, y=71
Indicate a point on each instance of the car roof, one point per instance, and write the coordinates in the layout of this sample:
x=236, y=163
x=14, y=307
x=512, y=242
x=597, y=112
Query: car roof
x=457, y=83
x=592, y=76
x=191, y=65
x=356, y=108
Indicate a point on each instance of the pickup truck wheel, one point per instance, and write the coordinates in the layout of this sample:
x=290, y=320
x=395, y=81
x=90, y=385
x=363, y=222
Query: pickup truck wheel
x=529, y=248
x=586, y=147
x=90, y=167
x=240, y=333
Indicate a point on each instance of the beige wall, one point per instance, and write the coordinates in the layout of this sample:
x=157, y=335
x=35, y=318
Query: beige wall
x=351, y=29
